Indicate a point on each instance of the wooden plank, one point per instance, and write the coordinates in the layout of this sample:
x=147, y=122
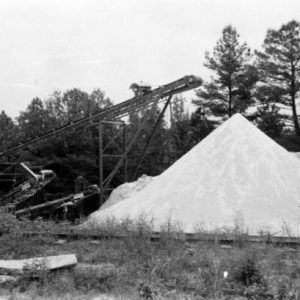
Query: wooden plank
x=7, y=278
x=50, y=262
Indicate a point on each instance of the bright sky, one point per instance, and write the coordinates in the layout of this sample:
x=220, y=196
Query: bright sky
x=47, y=45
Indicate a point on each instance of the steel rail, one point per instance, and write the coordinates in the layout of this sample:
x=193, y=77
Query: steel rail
x=221, y=239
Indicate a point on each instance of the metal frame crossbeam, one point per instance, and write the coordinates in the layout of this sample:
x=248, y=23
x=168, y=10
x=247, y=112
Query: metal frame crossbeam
x=105, y=153
x=150, y=138
x=128, y=148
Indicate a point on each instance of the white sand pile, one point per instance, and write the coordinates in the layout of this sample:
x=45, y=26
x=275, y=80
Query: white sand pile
x=126, y=190
x=297, y=154
x=235, y=175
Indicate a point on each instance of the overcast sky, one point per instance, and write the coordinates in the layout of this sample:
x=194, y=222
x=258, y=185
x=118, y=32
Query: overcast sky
x=48, y=45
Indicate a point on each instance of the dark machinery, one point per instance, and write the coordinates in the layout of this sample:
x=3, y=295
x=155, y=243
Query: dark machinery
x=69, y=207
x=144, y=98
x=29, y=186
x=140, y=89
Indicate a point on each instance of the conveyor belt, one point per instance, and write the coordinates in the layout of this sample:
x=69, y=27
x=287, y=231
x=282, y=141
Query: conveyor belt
x=184, y=84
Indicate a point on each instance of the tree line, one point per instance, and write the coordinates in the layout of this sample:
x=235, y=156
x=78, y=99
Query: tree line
x=261, y=84
x=268, y=79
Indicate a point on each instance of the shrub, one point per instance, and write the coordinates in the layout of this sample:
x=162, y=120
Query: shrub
x=246, y=270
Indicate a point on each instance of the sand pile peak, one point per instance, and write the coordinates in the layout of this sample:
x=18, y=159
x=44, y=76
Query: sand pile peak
x=236, y=175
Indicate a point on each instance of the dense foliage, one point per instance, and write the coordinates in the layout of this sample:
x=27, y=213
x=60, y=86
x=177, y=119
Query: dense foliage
x=279, y=66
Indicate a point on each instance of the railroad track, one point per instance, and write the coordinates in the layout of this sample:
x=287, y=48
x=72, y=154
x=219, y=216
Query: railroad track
x=185, y=237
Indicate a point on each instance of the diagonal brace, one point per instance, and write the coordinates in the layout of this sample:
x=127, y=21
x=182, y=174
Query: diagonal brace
x=133, y=140
x=150, y=138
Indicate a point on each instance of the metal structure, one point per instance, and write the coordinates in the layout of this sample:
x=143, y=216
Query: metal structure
x=27, y=183
x=116, y=111
x=226, y=241
x=150, y=138
x=115, y=149
x=145, y=98
x=9, y=174
x=64, y=204
x=140, y=89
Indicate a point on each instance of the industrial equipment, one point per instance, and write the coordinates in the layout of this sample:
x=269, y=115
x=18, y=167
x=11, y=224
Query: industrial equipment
x=145, y=97
x=32, y=184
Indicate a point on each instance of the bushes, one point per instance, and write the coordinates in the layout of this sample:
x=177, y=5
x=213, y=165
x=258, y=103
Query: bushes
x=246, y=270
x=159, y=269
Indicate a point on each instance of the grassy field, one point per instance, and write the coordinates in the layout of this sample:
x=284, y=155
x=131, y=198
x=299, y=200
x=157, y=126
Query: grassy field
x=169, y=268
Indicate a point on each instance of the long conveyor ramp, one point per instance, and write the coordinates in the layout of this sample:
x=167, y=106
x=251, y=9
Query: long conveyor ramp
x=116, y=111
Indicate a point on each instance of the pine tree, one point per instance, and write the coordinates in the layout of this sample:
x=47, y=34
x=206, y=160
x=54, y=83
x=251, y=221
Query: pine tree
x=229, y=91
x=279, y=66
